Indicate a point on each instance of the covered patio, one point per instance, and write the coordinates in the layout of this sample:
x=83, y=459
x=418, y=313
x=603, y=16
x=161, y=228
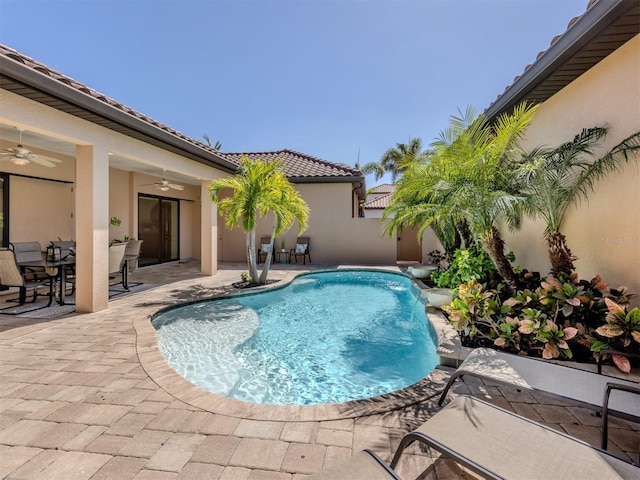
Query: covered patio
x=83, y=396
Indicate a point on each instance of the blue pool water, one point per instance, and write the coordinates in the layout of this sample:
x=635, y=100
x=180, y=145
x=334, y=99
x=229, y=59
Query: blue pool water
x=326, y=337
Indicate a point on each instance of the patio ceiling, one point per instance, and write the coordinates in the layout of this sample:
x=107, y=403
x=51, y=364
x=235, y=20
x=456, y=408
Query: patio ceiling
x=54, y=147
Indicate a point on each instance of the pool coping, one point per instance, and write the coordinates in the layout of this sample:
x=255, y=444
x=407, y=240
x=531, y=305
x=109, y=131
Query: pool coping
x=161, y=373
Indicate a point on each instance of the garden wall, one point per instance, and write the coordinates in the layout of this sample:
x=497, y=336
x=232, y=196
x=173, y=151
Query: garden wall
x=336, y=237
x=603, y=232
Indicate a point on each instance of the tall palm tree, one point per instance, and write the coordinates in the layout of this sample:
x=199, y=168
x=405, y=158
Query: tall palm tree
x=396, y=160
x=216, y=146
x=554, y=179
x=468, y=182
x=259, y=188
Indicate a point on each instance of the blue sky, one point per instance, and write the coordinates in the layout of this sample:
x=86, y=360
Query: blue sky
x=329, y=78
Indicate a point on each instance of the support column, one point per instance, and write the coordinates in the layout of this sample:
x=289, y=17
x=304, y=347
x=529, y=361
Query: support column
x=208, y=232
x=92, y=229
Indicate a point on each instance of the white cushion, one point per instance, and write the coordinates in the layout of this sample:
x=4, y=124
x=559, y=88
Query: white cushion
x=301, y=248
x=264, y=248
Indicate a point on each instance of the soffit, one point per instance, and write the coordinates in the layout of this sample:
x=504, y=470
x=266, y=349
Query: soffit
x=603, y=28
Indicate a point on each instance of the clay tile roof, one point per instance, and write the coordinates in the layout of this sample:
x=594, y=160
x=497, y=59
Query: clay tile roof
x=384, y=188
x=298, y=165
x=378, y=203
x=64, y=79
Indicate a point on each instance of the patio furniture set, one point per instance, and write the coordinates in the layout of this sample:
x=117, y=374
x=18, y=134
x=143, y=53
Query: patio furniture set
x=26, y=265
x=285, y=256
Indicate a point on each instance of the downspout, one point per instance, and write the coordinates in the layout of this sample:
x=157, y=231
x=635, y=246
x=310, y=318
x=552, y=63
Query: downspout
x=353, y=202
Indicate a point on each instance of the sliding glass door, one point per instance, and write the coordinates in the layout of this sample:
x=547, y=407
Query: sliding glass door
x=4, y=210
x=158, y=227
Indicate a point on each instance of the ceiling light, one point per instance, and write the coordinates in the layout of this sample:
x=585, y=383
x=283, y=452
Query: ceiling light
x=164, y=188
x=19, y=161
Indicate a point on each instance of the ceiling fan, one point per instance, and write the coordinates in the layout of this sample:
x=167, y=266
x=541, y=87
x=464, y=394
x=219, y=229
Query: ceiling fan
x=164, y=185
x=21, y=156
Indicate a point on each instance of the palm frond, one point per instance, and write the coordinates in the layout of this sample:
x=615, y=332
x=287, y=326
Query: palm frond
x=612, y=161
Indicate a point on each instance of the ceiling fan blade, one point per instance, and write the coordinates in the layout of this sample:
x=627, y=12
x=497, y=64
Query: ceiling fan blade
x=42, y=161
x=175, y=186
x=43, y=157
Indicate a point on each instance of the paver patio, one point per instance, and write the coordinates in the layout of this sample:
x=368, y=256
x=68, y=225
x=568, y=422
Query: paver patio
x=87, y=397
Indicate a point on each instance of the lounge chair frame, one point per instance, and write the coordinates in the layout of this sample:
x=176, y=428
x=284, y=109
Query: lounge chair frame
x=364, y=465
x=518, y=447
x=589, y=389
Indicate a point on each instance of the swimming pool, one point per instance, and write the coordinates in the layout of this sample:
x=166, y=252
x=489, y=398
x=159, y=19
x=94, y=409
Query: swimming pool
x=326, y=337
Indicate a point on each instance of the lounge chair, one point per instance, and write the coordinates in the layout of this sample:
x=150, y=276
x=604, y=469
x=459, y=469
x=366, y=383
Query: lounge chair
x=301, y=250
x=364, y=465
x=496, y=443
x=586, y=388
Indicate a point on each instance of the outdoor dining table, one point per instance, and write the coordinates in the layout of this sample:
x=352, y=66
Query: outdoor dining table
x=61, y=267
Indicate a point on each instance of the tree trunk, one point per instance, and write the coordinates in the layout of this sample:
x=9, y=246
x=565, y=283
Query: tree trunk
x=251, y=255
x=267, y=262
x=560, y=255
x=494, y=246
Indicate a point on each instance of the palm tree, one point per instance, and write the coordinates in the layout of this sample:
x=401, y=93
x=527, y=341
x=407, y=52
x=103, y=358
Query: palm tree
x=468, y=182
x=258, y=189
x=414, y=204
x=554, y=179
x=396, y=160
x=216, y=146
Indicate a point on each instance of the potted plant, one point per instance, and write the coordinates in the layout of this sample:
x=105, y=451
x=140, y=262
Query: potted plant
x=283, y=246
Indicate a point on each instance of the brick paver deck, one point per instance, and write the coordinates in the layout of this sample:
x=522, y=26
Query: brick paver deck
x=90, y=397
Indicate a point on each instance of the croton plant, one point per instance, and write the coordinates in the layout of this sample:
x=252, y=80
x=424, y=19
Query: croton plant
x=555, y=319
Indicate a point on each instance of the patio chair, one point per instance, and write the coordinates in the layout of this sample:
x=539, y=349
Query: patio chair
x=11, y=276
x=131, y=257
x=116, y=259
x=301, y=250
x=588, y=389
x=67, y=249
x=263, y=249
x=364, y=465
x=32, y=252
x=496, y=443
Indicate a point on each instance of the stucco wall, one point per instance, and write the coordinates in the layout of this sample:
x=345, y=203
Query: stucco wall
x=336, y=237
x=119, y=201
x=45, y=213
x=604, y=232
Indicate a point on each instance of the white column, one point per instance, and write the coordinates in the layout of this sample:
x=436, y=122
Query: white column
x=208, y=232
x=92, y=229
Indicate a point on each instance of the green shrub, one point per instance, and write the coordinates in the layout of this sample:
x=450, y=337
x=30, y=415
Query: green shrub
x=469, y=264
